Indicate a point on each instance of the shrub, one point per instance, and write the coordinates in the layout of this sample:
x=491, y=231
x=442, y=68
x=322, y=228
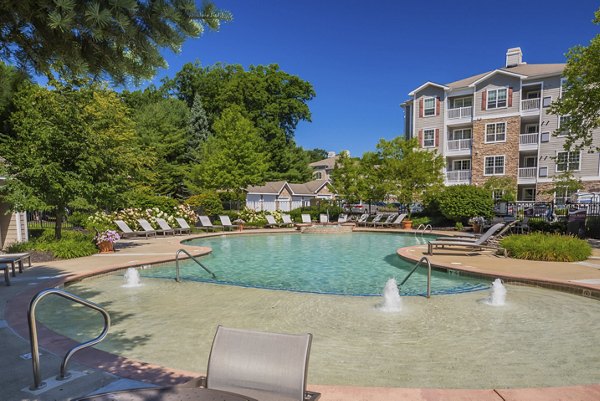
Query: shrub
x=207, y=203
x=547, y=247
x=78, y=219
x=73, y=244
x=542, y=225
x=461, y=202
x=416, y=222
x=142, y=199
x=592, y=227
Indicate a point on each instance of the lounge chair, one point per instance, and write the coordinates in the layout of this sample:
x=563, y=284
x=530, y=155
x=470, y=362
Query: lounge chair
x=206, y=223
x=385, y=222
x=362, y=219
x=475, y=245
x=323, y=218
x=265, y=366
x=271, y=222
x=397, y=222
x=306, y=218
x=184, y=227
x=226, y=223
x=128, y=232
x=375, y=220
x=287, y=220
x=342, y=218
x=165, y=228
x=148, y=229
x=10, y=260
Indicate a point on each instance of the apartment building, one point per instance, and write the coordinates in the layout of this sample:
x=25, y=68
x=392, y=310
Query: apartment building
x=498, y=124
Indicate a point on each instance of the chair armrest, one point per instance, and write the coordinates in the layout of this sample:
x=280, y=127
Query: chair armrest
x=311, y=396
x=195, y=382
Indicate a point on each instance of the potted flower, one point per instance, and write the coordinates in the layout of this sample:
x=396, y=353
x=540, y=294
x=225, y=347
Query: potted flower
x=105, y=240
x=477, y=222
x=240, y=224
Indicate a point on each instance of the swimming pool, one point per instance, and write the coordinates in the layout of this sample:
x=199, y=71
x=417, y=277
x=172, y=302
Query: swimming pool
x=356, y=264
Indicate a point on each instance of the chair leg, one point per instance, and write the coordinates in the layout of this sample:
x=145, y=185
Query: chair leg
x=7, y=276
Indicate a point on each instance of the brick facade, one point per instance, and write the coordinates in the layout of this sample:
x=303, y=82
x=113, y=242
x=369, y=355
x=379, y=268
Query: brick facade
x=509, y=149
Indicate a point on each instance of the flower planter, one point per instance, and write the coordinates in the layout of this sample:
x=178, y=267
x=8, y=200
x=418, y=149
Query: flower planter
x=105, y=247
x=476, y=228
x=406, y=224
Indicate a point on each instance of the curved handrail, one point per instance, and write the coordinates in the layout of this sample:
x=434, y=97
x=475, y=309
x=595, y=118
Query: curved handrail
x=424, y=258
x=194, y=259
x=425, y=228
x=418, y=228
x=33, y=337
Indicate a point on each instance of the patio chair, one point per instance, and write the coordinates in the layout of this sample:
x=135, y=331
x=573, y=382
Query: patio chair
x=226, y=223
x=306, y=218
x=342, y=218
x=287, y=220
x=271, y=221
x=206, y=223
x=323, y=218
x=489, y=233
x=128, y=232
x=148, y=229
x=261, y=365
x=480, y=243
x=385, y=222
x=362, y=219
x=165, y=228
x=375, y=220
x=184, y=227
x=397, y=222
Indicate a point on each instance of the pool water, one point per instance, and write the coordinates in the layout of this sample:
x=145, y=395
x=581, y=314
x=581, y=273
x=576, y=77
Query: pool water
x=356, y=264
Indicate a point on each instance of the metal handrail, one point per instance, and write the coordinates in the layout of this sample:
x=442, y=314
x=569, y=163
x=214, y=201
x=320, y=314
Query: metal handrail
x=194, y=259
x=424, y=258
x=33, y=337
x=425, y=228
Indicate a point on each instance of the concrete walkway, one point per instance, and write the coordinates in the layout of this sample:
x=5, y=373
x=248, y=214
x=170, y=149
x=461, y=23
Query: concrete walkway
x=105, y=371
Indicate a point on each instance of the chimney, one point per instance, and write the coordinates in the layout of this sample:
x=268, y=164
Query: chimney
x=514, y=57
x=330, y=155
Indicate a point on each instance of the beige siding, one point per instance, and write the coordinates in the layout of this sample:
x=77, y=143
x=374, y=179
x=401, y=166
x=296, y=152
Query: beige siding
x=432, y=122
x=12, y=229
x=498, y=81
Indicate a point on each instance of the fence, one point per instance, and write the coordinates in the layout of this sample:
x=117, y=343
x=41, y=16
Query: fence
x=44, y=220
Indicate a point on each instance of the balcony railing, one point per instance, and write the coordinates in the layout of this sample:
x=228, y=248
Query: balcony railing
x=529, y=139
x=460, y=112
x=459, y=144
x=458, y=175
x=530, y=104
x=527, y=172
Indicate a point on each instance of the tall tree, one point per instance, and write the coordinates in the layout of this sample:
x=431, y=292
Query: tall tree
x=11, y=80
x=316, y=154
x=198, y=127
x=580, y=98
x=100, y=38
x=233, y=157
x=347, y=178
x=69, y=145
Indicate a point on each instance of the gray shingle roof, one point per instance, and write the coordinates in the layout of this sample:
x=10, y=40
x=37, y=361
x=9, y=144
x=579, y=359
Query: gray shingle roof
x=531, y=70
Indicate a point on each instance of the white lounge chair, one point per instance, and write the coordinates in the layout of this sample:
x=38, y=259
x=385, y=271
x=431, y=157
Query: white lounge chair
x=342, y=218
x=184, y=227
x=362, y=220
x=206, y=223
x=226, y=223
x=375, y=220
x=271, y=222
x=165, y=228
x=287, y=220
x=385, y=222
x=128, y=232
x=264, y=366
x=148, y=229
x=397, y=222
x=323, y=218
x=306, y=218
x=471, y=244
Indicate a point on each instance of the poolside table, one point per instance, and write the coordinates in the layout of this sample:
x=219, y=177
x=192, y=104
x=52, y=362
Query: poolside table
x=10, y=260
x=173, y=393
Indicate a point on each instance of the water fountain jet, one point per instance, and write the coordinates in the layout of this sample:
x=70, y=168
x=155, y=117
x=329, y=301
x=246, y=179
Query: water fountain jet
x=132, y=278
x=391, y=297
x=498, y=294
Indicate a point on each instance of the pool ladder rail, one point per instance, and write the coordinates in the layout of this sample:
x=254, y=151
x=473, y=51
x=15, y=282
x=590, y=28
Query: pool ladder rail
x=419, y=263
x=177, y=278
x=424, y=228
x=33, y=336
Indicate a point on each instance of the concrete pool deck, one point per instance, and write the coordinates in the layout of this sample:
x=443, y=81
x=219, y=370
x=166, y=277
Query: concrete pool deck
x=103, y=370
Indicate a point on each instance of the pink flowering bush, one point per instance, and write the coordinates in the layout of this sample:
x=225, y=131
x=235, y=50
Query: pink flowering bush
x=107, y=236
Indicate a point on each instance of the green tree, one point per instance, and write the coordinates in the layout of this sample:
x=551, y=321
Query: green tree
x=347, y=179
x=564, y=184
x=11, y=80
x=198, y=127
x=581, y=98
x=100, y=38
x=316, y=154
x=461, y=202
x=162, y=132
x=69, y=146
x=407, y=171
x=508, y=186
x=232, y=158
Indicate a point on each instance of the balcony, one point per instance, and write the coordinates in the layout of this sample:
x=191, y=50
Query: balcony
x=530, y=105
x=458, y=177
x=529, y=141
x=527, y=175
x=459, y=145
x=460, y=112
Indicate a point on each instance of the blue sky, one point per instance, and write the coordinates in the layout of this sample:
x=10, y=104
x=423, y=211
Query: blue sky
x=363, y=58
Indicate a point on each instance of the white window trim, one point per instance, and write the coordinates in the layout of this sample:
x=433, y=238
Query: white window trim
x=453, y=100
x=461, y=161
x=463, y=130
x=560, y=90
x=487, y=98
x=560, y=133
x=524, y=190
x=485, y=165
x=425, y=98
x=525, y=158
x=434, y=144
x=532, y=125
x=496, y=133
x=556, y=170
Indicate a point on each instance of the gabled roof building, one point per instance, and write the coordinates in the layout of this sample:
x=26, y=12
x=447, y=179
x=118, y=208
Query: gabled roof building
x=283, y=196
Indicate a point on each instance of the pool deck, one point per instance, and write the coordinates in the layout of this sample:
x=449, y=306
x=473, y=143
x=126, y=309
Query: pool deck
x=102, y=370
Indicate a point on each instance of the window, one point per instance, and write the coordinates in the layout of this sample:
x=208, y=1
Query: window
x=532, y=129
x=528, y=194
x=562, y=121
x=563, y=86
x=497, y=194
x=543, y=172
x=567, y=161
x=461, y=165
x=429, y=106
x=494, y=165
x=529, y=161
x=547, y=101
x=533, y=95
x=562, y=195
x=495, y=132
x=496, y=98
x=461, y=102
x=318, y=175
x=464, y=133
x=428, y=138
x=545, y=137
